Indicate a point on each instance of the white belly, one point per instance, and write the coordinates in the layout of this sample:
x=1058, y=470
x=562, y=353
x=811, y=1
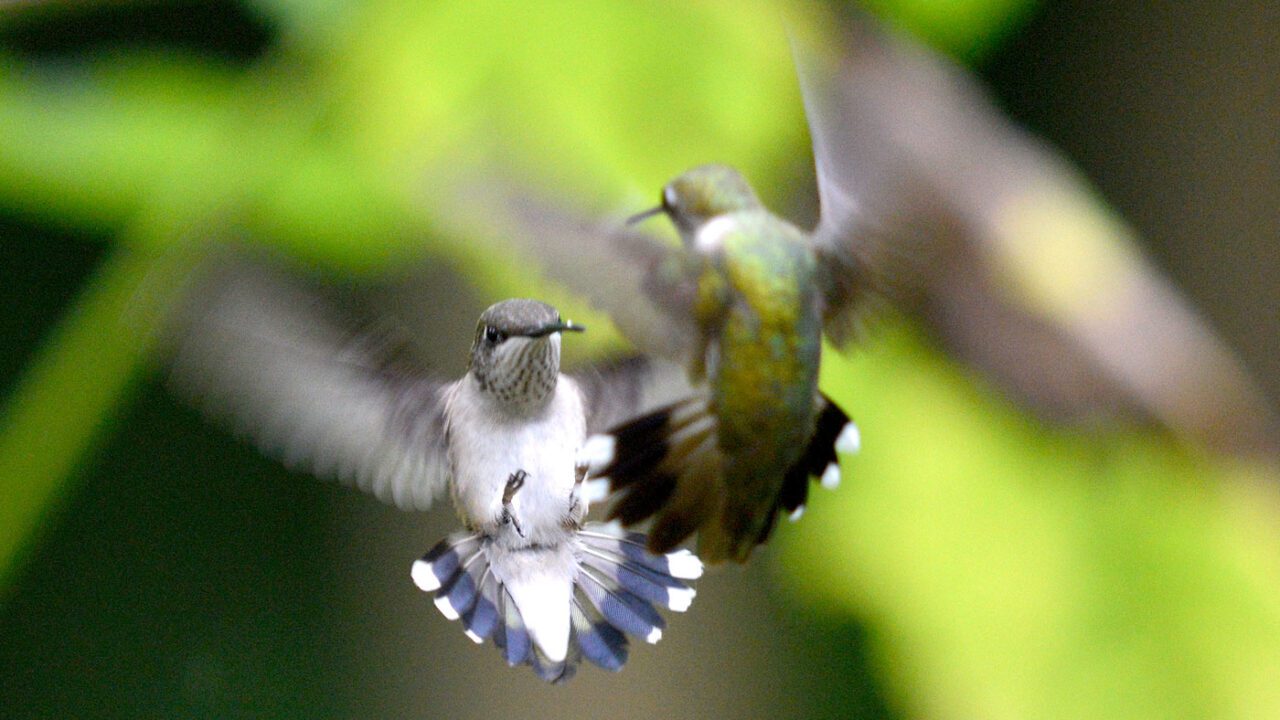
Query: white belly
x=487, y=447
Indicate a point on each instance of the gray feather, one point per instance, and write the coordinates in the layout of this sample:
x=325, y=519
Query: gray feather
x=945, y=215
x=622, y=389
x=315, y=391
x=618, y=268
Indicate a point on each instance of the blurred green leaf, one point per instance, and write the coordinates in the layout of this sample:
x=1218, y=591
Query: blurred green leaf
x=965, y=29
x=1018, y=572
x=92, y=145
x=76, y=380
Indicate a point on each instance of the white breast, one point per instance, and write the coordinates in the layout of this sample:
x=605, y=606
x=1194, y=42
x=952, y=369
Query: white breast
x=711, y=236
x=486, y=446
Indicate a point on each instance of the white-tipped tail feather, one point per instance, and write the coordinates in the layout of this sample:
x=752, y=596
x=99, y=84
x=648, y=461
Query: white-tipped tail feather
x=597, y=452
x=831, y=476
x=423, y=577
x=594, y=491
x=656, y=466
x=850, y=439
x=548, y=607
x=445, y=606
x=679, y=599
x=684, y=565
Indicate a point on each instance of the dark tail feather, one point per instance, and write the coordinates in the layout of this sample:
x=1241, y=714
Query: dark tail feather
x=616, y=591
x=554, y=672
x=511, y=636
x=482, y=619
x=667, y=465
x=643, y=499
x=623, y=609
x=833, y=433
x=696, y=502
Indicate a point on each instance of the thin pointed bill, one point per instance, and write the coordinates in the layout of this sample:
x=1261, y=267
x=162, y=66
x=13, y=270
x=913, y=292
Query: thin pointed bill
x=566, y=326
x=642, y=216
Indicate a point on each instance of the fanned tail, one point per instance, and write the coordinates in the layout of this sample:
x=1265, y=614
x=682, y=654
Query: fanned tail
x=833, y=433
x=667, y=465
x=615, y=587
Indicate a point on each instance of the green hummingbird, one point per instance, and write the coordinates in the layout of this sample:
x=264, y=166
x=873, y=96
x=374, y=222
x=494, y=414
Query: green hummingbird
x=930, y=216
x=754, y=295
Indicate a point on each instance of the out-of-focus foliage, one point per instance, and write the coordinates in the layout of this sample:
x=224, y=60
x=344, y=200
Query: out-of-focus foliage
x=78, y=384
x=1004, y=570
x=1011, y=571
x=967, y=29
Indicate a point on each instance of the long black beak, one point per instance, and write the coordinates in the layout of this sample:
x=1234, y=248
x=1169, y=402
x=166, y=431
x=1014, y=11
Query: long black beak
x=641, y=216
x=556, y=327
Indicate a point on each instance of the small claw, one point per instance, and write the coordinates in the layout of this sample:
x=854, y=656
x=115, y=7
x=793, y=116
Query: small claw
x=514, y=483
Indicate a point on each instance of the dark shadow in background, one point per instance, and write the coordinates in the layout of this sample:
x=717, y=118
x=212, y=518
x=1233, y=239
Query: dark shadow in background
x=208, y=28
x=186, y=577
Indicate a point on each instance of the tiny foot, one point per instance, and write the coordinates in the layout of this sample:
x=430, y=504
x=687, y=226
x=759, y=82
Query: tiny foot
x=514, y=483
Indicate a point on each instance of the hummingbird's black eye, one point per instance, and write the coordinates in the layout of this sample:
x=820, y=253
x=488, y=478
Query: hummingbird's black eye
x=493, y=335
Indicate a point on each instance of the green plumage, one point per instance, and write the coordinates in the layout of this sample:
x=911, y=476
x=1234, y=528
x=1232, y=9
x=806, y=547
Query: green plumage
x=746, y=298
x=757, y=316
x=768, y=334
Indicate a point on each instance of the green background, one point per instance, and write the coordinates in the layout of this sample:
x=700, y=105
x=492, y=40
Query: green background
x=975, y=563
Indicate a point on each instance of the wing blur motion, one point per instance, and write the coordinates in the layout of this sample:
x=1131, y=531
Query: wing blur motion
x=629, y=274
x=998, y=245
x=267, y=355
x=622, y=389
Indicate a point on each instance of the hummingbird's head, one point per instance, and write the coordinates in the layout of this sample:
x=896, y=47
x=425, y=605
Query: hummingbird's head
x=700, y=195
x=516, y=354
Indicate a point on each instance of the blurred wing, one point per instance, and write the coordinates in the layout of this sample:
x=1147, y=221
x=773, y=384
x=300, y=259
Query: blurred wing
x=617, y=391
x=636, y=278
x=264, y=353
x=863, y=246
x=1003, y=251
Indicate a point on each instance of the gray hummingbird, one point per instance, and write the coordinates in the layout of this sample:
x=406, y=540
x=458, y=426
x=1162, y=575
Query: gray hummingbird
x=527, y=571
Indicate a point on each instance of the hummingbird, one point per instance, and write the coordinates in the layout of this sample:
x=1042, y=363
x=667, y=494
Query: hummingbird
x=757, y=293
x=527, y=570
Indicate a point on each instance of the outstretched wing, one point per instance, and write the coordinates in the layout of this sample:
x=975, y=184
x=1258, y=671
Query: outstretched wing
x=321, y=395
x=865, y=247
x=619, y=390
x=638, y=279
x=931, y=197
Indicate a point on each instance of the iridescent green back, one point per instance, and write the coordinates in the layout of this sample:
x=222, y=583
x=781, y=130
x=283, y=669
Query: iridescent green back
x=770, y=344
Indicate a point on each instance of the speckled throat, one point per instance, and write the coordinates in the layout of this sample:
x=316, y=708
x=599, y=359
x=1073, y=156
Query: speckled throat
x=521, y=373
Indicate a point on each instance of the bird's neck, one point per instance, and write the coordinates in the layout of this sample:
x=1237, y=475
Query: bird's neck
x=523, y=396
